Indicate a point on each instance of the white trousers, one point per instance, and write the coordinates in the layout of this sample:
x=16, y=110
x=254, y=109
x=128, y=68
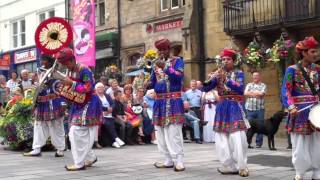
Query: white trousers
x=43, y=129
x=232, y=149
x=81, y=140
x=170, y=142
x=306, y=153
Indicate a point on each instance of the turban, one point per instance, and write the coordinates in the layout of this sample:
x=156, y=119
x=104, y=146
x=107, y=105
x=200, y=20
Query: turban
x=64, y=55
x=162, y=44
x=307, y=43
x=227, y=52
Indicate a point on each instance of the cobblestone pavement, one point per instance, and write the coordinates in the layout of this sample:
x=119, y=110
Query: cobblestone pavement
x=135, y=162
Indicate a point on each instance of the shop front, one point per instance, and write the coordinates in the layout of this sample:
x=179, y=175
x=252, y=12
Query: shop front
x=105, y=52
x=5, y=64
x=27, y=58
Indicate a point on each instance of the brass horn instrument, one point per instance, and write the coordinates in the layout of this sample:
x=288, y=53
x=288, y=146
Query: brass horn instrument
x=51, y=36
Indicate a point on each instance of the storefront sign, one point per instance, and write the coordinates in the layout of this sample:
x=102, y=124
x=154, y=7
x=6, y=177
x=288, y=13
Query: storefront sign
x=164, y=26
x=25, y=55
x=5, y=62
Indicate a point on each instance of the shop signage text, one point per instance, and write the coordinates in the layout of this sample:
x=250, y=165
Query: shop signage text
x=25, y=56
x=167, y=25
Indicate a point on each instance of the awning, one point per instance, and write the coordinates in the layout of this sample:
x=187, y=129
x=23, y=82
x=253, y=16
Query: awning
x=135, y=73
x=104, y=53
x=109, y=36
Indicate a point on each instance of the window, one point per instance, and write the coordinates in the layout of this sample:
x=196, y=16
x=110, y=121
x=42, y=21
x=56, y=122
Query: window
x=183, y=2
x=171, y=4
x=45, y=15
x=100, y=13
x=174, y=4
x=134, y=58
x=42, y=17
x=51, y=13
x=164, y=5
x=19, y=33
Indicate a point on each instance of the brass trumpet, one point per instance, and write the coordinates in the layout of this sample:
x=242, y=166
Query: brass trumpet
x=214, y=74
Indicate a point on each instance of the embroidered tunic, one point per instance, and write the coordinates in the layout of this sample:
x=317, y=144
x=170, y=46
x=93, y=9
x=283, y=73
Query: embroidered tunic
x=229, y=111
x=49, y=104
x=295, y=92
x=90, y=113
x=168, y=106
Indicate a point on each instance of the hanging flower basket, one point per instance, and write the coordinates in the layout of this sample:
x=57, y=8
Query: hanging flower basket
x=254, y=56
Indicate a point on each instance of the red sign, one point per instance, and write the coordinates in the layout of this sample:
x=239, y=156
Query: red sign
x=25, y=56
x=164, y=26
x=5, y=62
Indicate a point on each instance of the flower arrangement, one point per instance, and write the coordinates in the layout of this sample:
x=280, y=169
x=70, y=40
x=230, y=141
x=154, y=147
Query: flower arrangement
x=16, y=126
x=253, y=56
x=148, y=59
x=281, y=49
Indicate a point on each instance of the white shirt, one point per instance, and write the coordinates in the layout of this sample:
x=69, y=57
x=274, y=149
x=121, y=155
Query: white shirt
x=105, y=104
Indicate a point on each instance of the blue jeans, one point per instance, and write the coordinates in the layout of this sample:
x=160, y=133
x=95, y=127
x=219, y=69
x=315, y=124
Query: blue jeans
x=191, y=117
x=259, y=115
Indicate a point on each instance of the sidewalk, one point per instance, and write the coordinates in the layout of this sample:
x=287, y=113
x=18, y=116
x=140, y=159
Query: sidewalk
x=135, y=162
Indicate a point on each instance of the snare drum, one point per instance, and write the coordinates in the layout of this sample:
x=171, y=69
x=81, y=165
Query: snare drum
x=314, y=116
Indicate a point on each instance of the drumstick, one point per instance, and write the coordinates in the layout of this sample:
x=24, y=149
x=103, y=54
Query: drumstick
x=307, y=107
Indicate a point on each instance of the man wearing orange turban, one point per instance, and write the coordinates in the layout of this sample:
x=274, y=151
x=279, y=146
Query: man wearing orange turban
x=230, y=123
x=297, y=94
x=167, y=79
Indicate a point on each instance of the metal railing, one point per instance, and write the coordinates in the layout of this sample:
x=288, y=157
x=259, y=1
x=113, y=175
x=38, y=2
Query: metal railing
x=242, y=15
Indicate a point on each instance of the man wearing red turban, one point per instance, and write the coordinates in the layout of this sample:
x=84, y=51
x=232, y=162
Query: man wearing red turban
x=167, y=79
x=230, y=123
x=85, y=114
x=297, y=93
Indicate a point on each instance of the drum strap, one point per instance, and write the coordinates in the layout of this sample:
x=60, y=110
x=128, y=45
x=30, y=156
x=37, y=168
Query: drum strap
x=307, y=78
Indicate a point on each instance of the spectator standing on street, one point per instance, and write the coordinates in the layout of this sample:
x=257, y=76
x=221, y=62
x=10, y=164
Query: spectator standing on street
x=3, y=91
x=12, y=83
x=25, y=82
x=208, y=102
x=255, y=92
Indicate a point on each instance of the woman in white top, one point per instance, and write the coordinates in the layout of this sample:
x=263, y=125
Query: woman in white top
x=13, y=83
x=108, y=121
x=208, y=101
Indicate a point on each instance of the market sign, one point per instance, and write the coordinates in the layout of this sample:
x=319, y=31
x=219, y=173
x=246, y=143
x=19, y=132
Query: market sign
x=167, y=25
x=25, y=55
x=5, y=62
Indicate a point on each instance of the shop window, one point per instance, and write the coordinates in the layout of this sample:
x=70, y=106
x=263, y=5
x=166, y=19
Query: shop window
x=18, y=33
x=99, y=12
x=134, y=58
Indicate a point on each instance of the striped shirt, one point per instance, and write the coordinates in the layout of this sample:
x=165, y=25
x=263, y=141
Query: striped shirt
x=252, y=103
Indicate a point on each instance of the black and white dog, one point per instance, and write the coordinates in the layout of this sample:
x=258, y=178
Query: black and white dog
x=268, y=127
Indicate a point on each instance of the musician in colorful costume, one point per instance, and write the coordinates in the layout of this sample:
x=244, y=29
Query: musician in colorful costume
x=296, y=95
x=84, y=116
x=229, y=123
x=49, y=116
x=166, y=80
